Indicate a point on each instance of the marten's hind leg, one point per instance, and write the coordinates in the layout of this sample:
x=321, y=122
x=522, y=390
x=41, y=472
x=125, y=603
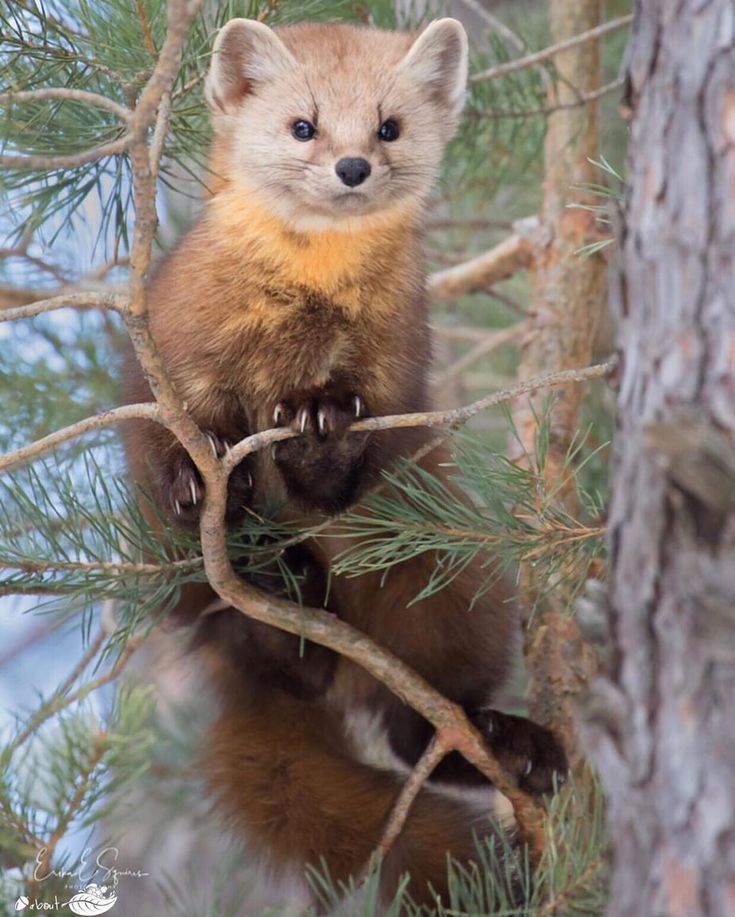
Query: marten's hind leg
x=287, y=777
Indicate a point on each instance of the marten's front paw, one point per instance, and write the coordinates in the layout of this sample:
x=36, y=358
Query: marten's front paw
x=183, y=489
x=322, y=466
x=531, y=753
x=323, y=417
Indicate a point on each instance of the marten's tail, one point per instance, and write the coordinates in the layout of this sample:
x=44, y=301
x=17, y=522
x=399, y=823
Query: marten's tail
x=288, y=779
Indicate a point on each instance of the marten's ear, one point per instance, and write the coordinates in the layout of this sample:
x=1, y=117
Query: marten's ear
x=438, y=58
x=245, y=52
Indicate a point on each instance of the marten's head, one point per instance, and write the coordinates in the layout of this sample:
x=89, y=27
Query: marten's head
x=328, y=125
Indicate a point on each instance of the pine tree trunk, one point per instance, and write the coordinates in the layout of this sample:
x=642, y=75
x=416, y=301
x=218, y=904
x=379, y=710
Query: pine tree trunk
x=568, y=299
x=662, y=725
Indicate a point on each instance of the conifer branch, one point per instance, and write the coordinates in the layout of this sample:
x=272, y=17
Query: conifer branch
x=449, y=418
x=531, y=59
x=81, y=300
x=481, y=272
x=70, y=161
x=257, y=441
x=584, y=98
x=21, y=251
x=121, y=567
x=441, y=744
x=97, y=422
x=490, y=342
x=321, y=627
x=63, y=93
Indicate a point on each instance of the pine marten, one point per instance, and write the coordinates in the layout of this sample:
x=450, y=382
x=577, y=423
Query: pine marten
x=298, y=299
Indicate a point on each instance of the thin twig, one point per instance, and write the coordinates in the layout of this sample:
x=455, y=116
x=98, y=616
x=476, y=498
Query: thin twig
x=93, y=566
x=480, y=350
x=188, y=86
x=72, y=161
x=531, y=59
x=24, y=45
x=55, y=93
x=21, y=251
x=464, y=332
x=81, y=300
x=584, y=98
x=36, y=634
x=468, y=224
x=502, y=29
x=150, y=45
x=449, y=418
x=496, y=24
x=437, y=749
x=99, y=273
x=94, y=647
x=148, y=411
x=152, y=411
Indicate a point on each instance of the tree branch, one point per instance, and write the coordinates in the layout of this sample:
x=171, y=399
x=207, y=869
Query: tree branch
x=92, y=300
x=449, y=418
x=70, y=95
x=21, y=251
x=71, y=161
x=491, y=342
x=257, y=441
x=441, y=744
x=97, y=422
x=321, y=627
x=584, y=98
x=495, y=24
x=93, y=566
x=479, y=273
x=530, y=59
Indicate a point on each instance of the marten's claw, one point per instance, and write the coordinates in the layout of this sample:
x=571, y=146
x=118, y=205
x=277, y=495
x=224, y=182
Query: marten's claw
x=303, y=418
x=218, y=444
x=183, y=489
x=324, y=416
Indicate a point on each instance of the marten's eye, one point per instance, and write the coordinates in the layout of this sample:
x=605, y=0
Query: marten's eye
x=303, y=130
x=388, y=130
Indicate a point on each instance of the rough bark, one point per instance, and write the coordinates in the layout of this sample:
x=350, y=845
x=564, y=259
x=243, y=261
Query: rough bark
x=568, y=297
x=661, y=724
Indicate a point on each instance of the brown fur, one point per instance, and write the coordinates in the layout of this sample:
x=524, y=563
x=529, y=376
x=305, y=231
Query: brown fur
x=285, y=300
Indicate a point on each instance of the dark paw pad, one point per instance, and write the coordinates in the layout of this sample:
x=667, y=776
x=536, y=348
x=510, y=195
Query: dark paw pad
x=531, y=753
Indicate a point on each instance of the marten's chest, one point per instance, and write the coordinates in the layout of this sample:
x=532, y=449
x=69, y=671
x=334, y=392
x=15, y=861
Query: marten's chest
x=281, y=339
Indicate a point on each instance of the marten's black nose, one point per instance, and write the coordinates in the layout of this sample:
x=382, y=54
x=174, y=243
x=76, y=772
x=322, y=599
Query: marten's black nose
x=352, y=171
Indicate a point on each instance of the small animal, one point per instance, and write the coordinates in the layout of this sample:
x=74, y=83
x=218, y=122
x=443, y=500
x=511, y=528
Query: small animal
x=298, y=299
